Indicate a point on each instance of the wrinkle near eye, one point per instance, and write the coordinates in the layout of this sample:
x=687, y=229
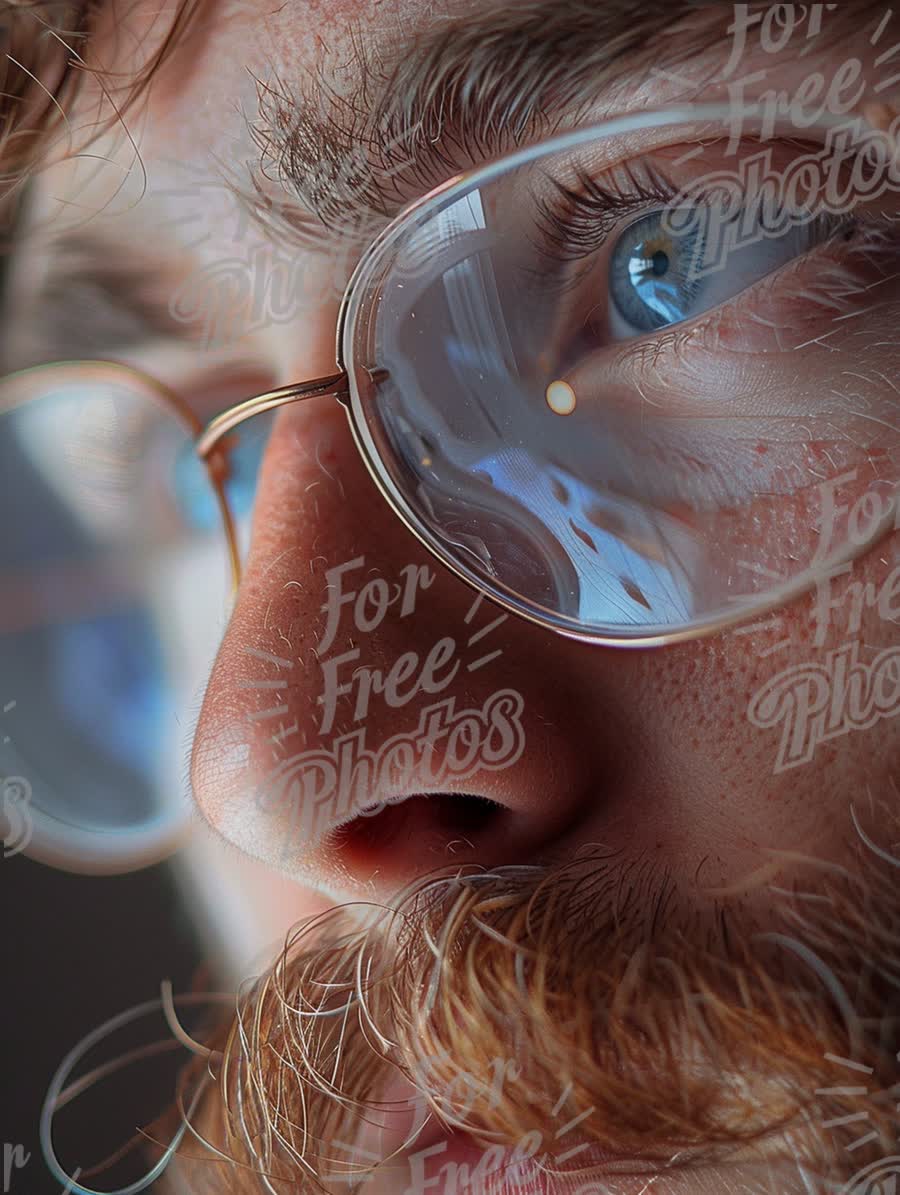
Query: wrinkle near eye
x=745, y=410
x=808, y=301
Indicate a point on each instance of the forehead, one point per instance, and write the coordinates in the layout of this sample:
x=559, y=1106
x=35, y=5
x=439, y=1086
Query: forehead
x=294, y=85
x=262, y=105
x=231, y=66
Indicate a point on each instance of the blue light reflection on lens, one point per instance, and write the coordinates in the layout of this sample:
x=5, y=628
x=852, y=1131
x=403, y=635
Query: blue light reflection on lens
x=110, y=681
x=195, y=497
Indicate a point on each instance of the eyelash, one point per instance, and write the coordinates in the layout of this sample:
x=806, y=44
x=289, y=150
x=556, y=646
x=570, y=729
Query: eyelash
x=583, y=218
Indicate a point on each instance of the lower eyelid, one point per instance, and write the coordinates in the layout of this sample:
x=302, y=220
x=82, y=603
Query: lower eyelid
x=727, y=341
x=795, y=303
x=716, y=398
x=825, y=282
x=716, y=330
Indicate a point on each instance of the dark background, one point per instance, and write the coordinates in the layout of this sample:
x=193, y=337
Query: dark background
x=78, y=950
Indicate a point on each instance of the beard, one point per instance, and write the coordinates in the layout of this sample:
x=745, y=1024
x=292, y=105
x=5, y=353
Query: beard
x=568, y=1031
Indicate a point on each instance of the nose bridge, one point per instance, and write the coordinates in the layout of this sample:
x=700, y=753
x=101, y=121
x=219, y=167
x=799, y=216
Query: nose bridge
x=357, y=675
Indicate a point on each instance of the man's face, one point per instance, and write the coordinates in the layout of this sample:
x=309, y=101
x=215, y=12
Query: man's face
x=273, y=144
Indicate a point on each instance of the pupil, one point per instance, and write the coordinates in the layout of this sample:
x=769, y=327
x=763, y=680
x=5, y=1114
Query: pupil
x=659, y=263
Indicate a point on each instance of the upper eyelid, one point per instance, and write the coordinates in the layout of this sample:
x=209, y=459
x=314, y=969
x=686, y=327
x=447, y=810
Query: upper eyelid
x=581, y=215
x=683, y=330
x=604, y=207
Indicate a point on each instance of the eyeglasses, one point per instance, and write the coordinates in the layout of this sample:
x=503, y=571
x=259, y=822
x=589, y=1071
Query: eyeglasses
x=614, y=381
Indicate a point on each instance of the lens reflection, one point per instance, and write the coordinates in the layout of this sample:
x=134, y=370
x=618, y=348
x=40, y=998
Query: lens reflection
x=113, y=594
x=621, y=451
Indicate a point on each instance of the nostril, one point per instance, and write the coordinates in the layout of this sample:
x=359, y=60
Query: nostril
x=406, y=831
x=464, y=812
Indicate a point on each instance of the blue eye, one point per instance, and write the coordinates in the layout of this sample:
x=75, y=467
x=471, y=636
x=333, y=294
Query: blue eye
x=656, y=275
x=652, y=279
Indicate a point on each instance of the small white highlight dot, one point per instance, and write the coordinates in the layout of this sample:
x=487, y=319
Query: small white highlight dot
x=561, y=398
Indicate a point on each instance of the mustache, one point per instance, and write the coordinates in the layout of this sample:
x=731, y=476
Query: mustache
x=482, y=1000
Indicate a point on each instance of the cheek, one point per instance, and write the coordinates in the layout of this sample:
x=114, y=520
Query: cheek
x=771, y=714
x=651, y=752
x=686, y=775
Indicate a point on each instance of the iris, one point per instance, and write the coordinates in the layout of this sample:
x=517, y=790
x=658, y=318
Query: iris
x=661, y=270
x=653, y=276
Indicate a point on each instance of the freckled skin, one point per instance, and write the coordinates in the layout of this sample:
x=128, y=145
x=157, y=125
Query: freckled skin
x=643, y=751
x=646, y=750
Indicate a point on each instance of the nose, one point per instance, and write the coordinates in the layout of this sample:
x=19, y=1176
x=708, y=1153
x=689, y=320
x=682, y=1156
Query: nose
x=369, y=716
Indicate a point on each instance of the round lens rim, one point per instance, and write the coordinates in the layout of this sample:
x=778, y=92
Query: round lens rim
x=80, y=849
x=360, y=301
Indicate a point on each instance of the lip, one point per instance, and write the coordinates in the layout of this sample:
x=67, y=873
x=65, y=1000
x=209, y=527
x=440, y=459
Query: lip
x=445, y=1160
x=456, y=1163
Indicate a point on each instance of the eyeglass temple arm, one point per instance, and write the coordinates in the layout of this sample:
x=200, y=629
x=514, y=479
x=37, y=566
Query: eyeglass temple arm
x=336, y=386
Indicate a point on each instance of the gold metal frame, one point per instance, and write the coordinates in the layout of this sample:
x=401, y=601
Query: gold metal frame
x=210, y=440
x=211, y=445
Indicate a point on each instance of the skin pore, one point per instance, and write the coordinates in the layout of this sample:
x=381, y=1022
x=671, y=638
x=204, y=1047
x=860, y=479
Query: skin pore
x=641, y=766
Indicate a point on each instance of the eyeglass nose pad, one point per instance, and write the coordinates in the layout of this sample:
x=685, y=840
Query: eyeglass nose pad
x=377, y=376
x=233, y=466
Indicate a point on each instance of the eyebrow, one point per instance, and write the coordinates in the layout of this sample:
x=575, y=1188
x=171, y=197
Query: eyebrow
x=344, y=151
x=348, y=146
x=96, y=300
